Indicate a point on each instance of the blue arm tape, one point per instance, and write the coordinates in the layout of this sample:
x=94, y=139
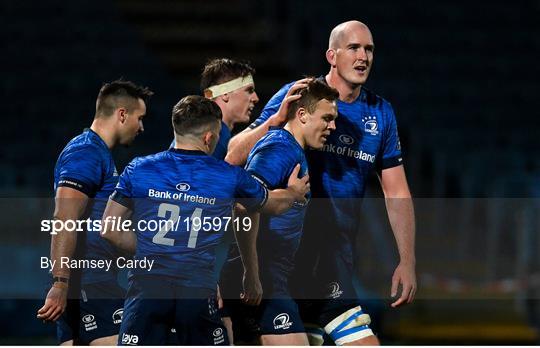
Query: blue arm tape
x=347, y=332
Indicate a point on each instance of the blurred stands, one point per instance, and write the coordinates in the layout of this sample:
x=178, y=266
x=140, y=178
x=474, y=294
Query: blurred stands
x=463, y=88
x=186, y=33
x=458, y=84
x=55, y=56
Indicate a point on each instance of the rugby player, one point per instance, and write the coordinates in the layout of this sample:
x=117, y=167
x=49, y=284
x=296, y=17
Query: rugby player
x=310, y=120
x=230, y=84
x=184, y=185
x=84, y=177
x=365, y=139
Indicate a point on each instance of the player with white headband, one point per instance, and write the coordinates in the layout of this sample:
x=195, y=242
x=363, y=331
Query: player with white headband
x=230, y=84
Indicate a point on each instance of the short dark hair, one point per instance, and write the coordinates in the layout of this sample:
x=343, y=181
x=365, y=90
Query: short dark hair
x=219, y=70
x=118, y=93
x=315, y=91
x=194, y=115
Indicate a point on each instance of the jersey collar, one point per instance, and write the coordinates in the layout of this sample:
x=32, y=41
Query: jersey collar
x=188, y=152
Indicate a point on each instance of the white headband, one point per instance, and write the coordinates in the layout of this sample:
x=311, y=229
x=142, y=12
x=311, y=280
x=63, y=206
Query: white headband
x=229, y=86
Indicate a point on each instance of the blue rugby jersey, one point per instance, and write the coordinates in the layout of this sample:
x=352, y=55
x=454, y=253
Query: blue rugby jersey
x=365, y=139
x=221, y=148
x=272, y=161
x=183, y=185
x=220, y=152
x=86, y=165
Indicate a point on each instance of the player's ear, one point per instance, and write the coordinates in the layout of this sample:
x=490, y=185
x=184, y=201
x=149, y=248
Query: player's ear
x=331, y=57
x=121, y=114
x=301, y=114
x=207, y=138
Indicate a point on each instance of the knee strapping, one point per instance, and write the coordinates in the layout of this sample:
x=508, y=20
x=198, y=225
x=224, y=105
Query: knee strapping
x=349, y=326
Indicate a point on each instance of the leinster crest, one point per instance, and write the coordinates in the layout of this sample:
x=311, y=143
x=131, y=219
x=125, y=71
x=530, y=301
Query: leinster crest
x=370, y=125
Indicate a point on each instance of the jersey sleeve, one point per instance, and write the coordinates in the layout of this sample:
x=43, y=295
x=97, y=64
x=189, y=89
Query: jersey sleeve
x=249, y=192
x=123, y=192
x=272, y=106
x=82, y=169
x=272, y=164
x=391, y=146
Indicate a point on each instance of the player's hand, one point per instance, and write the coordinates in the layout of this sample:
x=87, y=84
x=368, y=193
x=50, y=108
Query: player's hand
x=298, y=186
x=252, y=294
x=280, y=117
x=405, y=276
x=55, y=304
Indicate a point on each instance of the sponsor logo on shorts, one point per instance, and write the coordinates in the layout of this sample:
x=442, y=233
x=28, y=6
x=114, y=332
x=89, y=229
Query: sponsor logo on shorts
x=334, y=290
x=218, y=336
x=88, y=318
x=218, y=332
x=183, y=187
x=370, y=125
x=346, y=139
x=89, y=322
x=130, y=340
x=282, y=321
x=118, y=315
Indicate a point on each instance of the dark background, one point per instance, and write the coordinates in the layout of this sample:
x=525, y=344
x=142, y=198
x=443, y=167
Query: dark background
x=461, y=76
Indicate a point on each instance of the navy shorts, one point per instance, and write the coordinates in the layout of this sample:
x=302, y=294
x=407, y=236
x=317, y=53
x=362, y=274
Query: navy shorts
x=272, y=317
x=328, y=293
x=279, y=317
x=276, y=314
x=246, y=329
x=155, y=304
x=94, y=313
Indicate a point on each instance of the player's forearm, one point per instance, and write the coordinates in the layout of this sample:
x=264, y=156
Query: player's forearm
x=247, y=244
x=70, y=205
x=124, y=240
x=279, y=201
x=241, y=144
x=119, y=235
x=401, y=217
x=62, y=246
x=127, y=242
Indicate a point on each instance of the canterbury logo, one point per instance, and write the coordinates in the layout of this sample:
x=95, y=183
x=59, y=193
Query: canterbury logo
x=346, y=139
x=183, y=187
